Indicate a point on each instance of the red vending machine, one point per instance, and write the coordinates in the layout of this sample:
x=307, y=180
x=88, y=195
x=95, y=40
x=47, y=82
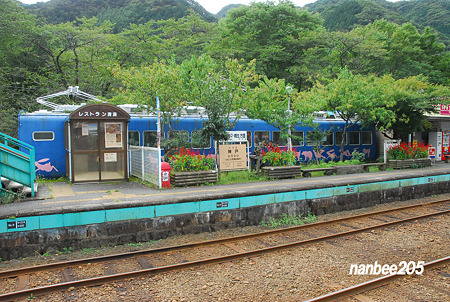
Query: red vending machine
x=445, y=144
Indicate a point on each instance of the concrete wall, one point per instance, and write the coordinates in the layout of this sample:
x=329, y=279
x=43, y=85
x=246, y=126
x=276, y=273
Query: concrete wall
x=27, y=243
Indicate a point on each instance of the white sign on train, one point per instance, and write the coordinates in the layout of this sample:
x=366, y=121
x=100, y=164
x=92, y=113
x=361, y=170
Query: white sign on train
x=237, y=136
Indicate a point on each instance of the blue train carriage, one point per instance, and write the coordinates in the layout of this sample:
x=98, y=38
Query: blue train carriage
x=45, y=131
x=357, y=139
x=142, y=131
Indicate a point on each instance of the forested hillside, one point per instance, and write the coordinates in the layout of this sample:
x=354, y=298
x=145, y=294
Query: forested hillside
x=268, y=52
x=121, y=13
x=347, y=14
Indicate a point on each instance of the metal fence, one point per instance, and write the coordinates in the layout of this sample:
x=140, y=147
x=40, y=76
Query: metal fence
x=145, y=163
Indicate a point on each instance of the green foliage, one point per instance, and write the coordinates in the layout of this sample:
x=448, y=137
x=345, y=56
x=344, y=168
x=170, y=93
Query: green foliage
x=121, y=12
x=286, y=221
x=346, y=15
x=316, y=137
x=221, y=88
x=131, y=51
x=270, y=33
x=233, y=177
x=354, y=98
x=272, y=102
x=358, y=157
x=7, y=197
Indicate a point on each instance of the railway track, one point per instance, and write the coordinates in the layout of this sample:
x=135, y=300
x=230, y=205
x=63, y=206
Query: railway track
x=372, y=284
x=72, y=274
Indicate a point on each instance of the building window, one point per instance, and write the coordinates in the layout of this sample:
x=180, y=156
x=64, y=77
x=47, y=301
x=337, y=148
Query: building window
x=43, y=136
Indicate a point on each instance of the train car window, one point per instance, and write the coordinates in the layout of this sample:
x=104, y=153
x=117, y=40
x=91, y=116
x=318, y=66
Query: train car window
x=339, y=135
x=308, y=141
x=261, y=136
x=366, y=138
x=178, y=134
x=354, y=138
x=326, y=141
x=133, y=138
x=277, y=139
x=297, y=138
x=198, y=142
x=249, y=139
x=43, y=136
x=150, y=139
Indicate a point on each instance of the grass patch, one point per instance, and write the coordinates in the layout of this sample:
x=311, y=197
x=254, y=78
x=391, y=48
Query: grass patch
x=286, y=221
x=52, y=180
x=7, y=197
x=234, y=177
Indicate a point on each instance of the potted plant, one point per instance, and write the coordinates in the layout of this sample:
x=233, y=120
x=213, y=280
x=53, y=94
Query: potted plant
x=189, y=168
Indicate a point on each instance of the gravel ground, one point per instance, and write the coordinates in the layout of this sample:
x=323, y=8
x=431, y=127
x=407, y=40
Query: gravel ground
x=291, y=275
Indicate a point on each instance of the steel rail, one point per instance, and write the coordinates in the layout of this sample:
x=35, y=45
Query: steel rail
x=157, y=270
x=50, y=266
x=372, y=284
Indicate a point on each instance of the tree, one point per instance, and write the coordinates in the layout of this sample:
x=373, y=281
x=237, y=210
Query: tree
x=414, y=98
x=221, y=88
x=163, y=40
x=316, y=138
x=277, y=104
x=355, y=99
x=18, y=68
x=142, y=85
x=76, y=53
x=271, y=34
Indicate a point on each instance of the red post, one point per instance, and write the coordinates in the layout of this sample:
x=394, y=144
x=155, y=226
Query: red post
x=165, y=174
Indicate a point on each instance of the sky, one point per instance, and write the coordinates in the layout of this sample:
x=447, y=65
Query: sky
x=214, y=6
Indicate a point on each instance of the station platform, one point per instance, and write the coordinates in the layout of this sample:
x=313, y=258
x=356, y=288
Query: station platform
x=100, y=214
x=62, y=197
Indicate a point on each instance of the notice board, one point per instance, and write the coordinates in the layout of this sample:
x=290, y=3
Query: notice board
x=233, y=157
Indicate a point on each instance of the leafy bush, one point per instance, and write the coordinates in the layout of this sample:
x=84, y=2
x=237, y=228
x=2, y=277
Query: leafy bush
x=358, y=157
x=185, y=160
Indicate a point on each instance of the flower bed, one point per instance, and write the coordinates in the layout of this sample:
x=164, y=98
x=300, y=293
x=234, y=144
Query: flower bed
x=279, y=163
x=405, y=156
x=191, y=168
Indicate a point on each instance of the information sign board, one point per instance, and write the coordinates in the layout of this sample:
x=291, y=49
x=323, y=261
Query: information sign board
x=232, y=157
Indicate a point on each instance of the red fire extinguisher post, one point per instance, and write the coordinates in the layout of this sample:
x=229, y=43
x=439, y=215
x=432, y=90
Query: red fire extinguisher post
x=165, y=174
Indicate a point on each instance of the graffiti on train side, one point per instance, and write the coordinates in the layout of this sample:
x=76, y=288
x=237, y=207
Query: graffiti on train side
x=306, y=156
x=45, y=165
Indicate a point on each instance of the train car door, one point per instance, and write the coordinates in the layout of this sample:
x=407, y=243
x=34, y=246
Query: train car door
x=97, y=143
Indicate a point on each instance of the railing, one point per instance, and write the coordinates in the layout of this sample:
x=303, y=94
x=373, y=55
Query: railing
x=145, y=163
x=17, y=161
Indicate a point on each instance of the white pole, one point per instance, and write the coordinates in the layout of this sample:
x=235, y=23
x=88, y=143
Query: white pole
x=158, y=126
